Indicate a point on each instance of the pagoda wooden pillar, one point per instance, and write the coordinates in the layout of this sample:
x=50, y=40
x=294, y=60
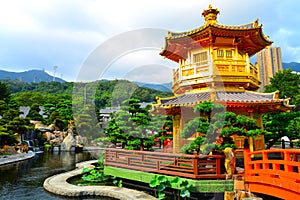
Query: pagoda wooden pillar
x=176, y=133
x=260, y=121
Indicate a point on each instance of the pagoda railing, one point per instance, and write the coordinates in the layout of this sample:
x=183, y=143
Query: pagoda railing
x=182, y=165
x=222, y=67
x=235, y=66
x=175, y=76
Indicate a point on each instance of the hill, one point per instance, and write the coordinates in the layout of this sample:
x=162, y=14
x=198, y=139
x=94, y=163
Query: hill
x=31, y=76
x=101, y=93
x=293, y=65
x=164, y=87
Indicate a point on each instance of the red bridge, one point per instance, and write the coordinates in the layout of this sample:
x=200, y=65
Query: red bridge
x=273, y=172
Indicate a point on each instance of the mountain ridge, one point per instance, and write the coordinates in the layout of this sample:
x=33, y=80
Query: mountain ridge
x=35, y=75
x=30, y=76
x=164, y=87
x=294, y=66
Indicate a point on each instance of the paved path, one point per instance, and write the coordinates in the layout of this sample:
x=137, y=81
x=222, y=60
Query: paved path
x=15, y=158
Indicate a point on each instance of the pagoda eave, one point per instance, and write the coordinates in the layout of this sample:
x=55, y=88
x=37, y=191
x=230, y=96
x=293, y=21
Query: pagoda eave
x=256, y=107
x=261, y=102
x=250, y=40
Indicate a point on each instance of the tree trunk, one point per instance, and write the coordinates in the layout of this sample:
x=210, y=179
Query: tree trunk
x=141, y=145
x=271, y=143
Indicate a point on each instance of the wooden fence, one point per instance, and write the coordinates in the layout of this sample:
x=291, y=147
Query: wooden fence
x=182, y=165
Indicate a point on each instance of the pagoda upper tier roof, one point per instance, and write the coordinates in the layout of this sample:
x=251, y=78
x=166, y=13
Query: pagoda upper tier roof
x=243, y=27
x=249, y=38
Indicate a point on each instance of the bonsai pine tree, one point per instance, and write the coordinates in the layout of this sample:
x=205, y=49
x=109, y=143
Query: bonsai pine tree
x=34, y=113
x=133, y=127
x=216, y=126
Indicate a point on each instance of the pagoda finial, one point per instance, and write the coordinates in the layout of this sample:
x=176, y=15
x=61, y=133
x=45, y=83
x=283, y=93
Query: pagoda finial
x=210, y=15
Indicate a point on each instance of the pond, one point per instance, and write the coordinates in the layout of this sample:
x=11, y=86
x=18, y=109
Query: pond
x=24, y=180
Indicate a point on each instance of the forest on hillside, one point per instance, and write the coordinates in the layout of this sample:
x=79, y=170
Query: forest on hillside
x=64, y=104
x=105, y=93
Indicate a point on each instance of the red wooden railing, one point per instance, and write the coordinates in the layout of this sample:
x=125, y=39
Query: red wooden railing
x=274, y=172
x=182, y=165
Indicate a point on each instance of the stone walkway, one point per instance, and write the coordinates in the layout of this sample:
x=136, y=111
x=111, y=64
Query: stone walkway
x=15, y=158
x=58, y=184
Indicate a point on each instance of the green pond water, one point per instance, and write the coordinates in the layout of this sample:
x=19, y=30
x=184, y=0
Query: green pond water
x=24, y=180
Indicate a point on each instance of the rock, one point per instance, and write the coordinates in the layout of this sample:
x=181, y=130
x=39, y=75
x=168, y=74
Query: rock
x=85, y=140
x=286, y=141
x=69, y=142
x=79, y=140
x=57, y=133
x=112, y=146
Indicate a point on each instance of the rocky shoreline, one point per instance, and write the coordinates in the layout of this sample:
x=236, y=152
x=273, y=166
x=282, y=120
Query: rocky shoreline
x=9, y=159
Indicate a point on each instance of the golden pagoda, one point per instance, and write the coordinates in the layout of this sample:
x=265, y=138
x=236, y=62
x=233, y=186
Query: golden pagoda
x=214, y=65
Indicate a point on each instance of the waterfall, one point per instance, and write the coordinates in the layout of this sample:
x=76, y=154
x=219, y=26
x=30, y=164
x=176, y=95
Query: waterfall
x=30, y=137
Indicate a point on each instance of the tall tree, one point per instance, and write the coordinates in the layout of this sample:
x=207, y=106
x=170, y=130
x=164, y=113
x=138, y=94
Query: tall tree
x=288, y=84
x=279, y=125
x=3, y=107
x=87, y=124
x=4, y=92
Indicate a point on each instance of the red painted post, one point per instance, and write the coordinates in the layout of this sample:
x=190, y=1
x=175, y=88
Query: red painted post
x=195, y=163
x=175, y=161
x=247, y=160
x=265, y=159
x=287, y=158
x=218, y=166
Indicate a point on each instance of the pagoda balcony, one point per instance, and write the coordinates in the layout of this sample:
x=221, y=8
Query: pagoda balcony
x=235, y=67
x=222, y=70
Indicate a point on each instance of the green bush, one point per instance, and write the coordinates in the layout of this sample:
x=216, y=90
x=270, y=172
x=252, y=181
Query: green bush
x=7, y=139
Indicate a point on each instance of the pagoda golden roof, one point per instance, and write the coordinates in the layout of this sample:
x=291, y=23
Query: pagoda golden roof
x=243, y=27
x=249, y=38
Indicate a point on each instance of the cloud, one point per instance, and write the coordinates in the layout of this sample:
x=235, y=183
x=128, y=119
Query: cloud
x=152, y=73
x=41, y=34
x=143, y=66
x=119, y=54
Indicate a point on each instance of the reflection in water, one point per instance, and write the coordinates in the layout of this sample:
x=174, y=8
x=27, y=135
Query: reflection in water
x=24, y=180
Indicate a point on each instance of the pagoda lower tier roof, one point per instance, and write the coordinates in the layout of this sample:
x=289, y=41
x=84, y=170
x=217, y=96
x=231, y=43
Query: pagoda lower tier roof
x=247, y=98
x=195, y=98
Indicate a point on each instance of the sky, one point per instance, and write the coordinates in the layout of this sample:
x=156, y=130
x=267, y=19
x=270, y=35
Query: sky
x=112, y=39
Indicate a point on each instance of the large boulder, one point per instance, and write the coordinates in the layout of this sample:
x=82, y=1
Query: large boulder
x=69, y=142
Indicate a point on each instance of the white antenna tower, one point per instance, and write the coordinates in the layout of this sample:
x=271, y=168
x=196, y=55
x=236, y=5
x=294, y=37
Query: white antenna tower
x=54, y=68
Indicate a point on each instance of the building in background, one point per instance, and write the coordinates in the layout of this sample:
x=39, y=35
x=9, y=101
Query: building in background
x=105, y=113
x=269, y=62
